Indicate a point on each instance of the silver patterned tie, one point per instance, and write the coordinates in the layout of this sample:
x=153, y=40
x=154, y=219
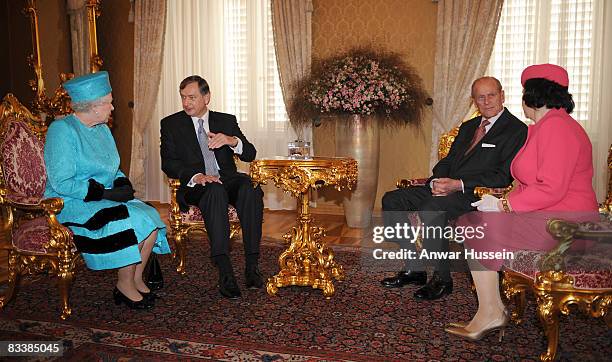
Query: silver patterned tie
x=210, y=162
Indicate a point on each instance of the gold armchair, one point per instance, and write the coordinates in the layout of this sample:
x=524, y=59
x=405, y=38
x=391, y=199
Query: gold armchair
x=561, y=278
x=183, y=223
x=38, y=243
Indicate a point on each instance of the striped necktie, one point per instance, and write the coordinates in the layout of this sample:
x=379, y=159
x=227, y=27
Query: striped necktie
x=478, y=135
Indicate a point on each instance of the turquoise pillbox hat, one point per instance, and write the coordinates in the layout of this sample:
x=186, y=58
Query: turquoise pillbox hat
x=88, y=87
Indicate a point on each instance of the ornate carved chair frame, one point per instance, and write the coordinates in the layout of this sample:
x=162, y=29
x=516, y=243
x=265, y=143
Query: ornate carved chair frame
x=58, y=103
x=38, y=242
x=556, y=289
x=185, y=223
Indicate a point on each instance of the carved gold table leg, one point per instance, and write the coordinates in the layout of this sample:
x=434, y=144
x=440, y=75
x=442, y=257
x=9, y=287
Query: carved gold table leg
x=307, y=261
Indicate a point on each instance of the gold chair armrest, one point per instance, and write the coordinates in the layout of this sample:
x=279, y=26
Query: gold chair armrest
x=479, y=191
x=52, y=205
x=174, y=183
x=175, y=211
x=61, y=239
x=565, y=232
x=404, y=183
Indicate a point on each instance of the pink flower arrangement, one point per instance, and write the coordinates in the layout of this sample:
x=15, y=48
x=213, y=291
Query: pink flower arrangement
x=362, y=82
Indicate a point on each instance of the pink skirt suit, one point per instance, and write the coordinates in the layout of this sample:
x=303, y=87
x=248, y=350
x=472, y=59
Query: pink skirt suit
x=553, y=174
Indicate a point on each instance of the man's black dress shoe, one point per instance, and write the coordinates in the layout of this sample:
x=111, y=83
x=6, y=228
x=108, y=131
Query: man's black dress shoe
x=404, y=278
x=228, y=287
x=253, y=277
x=436, y=288
x=121, y=298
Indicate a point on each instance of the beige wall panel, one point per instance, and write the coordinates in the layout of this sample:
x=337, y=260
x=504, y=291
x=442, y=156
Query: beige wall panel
x=407, y=27
x=116, y=46
x=55, y=44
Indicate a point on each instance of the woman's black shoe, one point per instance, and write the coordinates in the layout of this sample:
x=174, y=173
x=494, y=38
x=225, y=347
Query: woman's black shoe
x=121, y=298
x=150, y=296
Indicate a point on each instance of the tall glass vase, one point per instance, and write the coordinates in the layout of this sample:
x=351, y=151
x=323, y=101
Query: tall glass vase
x=358, y=137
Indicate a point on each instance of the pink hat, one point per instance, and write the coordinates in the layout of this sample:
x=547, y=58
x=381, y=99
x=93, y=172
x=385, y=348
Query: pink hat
x=551, y=72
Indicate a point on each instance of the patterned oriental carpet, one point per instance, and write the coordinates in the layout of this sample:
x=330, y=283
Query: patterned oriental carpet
x=361, y=322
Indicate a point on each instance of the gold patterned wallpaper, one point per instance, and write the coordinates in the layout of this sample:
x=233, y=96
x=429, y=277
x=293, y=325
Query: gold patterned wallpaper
x=116, y=46
x=54, y=31
x=407, y=27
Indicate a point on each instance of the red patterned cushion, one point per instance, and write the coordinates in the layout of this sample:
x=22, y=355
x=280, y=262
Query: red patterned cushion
x=32, y=235
x=591, y=270
x=22, y=161
x=24, y=200
x=194, y=215
x=233, y=214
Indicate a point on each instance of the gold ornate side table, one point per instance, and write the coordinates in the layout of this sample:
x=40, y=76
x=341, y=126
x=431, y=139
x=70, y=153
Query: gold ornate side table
x=307, y=261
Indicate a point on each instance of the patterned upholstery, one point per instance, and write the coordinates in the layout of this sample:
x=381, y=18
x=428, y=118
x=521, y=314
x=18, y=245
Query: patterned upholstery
x=32, y=235
x=22, y=161
x=592, y=270
x=25, y=176
x=22, y=199
x=194, y=215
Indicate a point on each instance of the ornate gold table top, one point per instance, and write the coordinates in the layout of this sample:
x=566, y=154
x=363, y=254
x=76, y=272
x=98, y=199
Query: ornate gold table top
x=297, y=176
x=307, y=261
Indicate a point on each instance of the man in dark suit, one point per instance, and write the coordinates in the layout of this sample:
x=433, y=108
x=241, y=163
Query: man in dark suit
x=480, y=156
x=198, y=148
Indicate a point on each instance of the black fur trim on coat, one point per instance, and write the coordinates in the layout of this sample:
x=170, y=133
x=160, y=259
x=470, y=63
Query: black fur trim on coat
x=107, y=244
x=103, y=217
x=94, y=191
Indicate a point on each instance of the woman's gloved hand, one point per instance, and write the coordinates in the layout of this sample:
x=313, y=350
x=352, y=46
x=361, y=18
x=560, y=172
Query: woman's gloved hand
x=122, y=193
x=488, y=203
x=95, y=191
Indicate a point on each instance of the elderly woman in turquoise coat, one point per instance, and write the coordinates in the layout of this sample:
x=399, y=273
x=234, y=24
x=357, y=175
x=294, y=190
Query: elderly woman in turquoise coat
x=111, y=228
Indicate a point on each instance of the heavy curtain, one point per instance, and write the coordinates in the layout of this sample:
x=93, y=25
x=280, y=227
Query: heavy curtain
x=79, y=36
x=292, y=25
x=599, y=126
x=465, y=36
x=149, y=26
x=230, y=44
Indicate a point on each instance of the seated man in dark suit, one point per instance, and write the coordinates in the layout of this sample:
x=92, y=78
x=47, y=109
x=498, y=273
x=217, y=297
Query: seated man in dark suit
x=480, y=156
x=198, y=148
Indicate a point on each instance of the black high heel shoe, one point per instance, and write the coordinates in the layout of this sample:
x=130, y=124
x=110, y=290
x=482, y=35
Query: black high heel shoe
x=121, y=298
x=150, y=296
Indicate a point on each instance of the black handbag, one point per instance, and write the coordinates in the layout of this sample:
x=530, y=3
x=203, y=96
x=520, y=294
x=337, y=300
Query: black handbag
x=155, y=280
